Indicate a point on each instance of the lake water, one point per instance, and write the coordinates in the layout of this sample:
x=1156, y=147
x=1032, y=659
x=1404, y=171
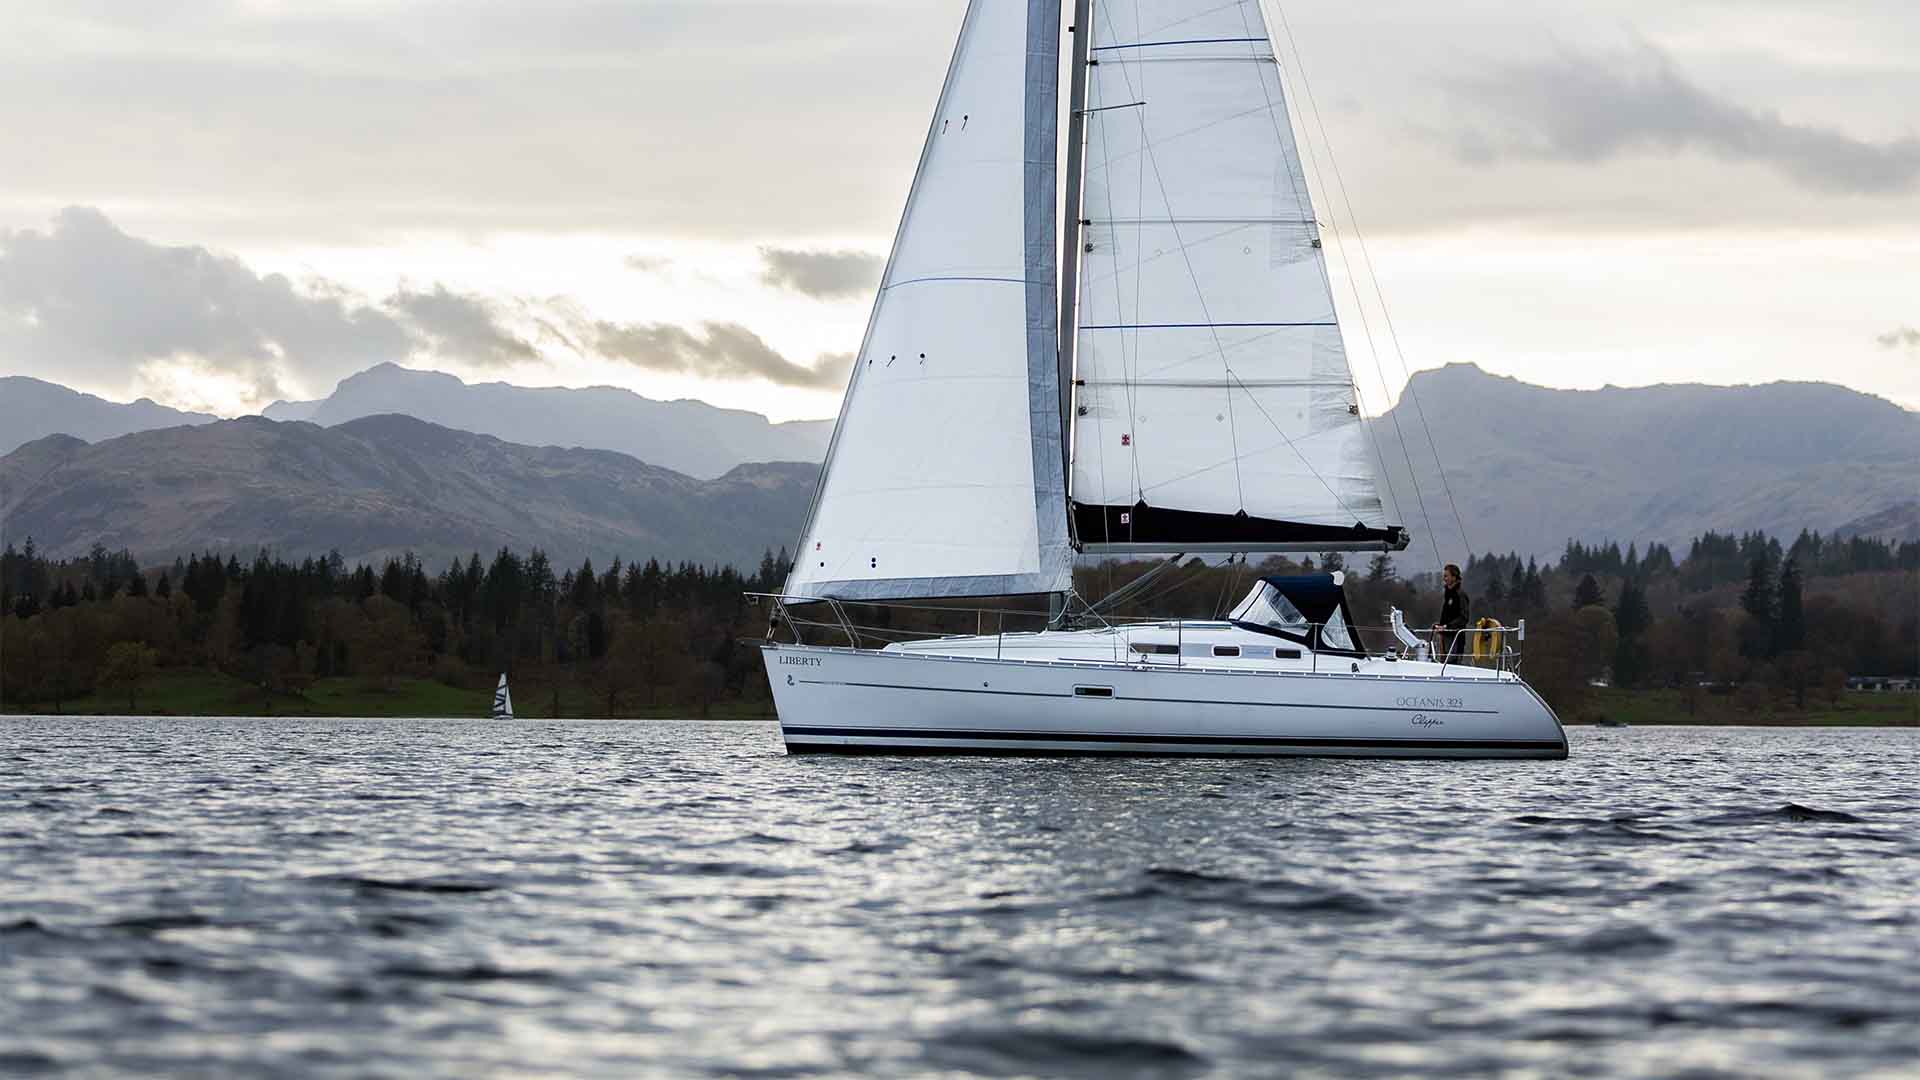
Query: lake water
x=436, y=898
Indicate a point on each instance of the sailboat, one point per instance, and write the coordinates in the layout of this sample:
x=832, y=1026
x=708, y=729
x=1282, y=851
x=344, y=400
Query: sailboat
x=1155, y=368
x=502, y=700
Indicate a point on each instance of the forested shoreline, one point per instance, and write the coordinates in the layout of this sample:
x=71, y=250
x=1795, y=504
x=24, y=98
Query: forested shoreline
x=1740, y=626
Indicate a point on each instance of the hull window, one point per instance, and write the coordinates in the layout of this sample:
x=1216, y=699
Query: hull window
x=1146, y=648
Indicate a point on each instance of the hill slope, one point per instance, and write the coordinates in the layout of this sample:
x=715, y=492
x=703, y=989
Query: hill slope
x=687, y=436
x=380, y=485
x=33, y=408
x=1531, y=467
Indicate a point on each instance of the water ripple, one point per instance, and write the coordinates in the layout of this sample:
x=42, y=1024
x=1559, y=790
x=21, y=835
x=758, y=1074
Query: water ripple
x=431, y=898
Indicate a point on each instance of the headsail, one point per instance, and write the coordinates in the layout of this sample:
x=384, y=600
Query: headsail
x=1214, y=407
x=945, y=474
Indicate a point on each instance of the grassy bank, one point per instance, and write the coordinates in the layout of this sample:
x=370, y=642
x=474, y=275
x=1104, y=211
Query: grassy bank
x=1672, y=707
x=209, y=693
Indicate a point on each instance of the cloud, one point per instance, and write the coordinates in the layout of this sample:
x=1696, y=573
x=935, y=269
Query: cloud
x=647, y=264
x=463, y=327
x=1902, y=337
x=86, y=302
x=722, y=350
x=1591, y=107
x=823, y=275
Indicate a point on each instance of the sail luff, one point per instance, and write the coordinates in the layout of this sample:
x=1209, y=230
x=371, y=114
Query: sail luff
x=1082, y=29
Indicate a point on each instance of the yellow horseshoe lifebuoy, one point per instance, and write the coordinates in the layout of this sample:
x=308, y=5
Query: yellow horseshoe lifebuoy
x=1486, y=639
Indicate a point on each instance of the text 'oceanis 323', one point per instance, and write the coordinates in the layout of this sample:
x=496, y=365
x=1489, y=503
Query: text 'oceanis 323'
x=1156, y=368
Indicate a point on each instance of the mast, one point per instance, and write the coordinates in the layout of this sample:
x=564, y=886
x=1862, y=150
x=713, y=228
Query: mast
x=1082, y=30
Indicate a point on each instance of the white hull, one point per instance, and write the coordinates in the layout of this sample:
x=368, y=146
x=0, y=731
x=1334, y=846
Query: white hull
x=942, y=697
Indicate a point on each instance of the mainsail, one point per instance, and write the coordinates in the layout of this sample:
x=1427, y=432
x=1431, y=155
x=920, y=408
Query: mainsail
x=945, y=475
x=502, y=700
x=1214, y=408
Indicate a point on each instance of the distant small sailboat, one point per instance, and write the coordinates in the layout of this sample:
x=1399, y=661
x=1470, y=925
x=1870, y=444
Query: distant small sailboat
x=502, y=700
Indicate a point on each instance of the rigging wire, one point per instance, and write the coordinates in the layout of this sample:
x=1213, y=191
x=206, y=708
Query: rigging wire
x=1360, y=310
x=1299, y=184
x=1379, y=293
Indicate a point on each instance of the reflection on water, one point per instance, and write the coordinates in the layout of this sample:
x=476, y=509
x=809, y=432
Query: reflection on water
x=472, y=898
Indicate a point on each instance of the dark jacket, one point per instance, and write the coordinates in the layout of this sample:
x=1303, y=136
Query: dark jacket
x=1453, y=609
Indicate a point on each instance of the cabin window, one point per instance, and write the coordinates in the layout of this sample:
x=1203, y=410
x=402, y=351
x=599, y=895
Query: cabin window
x=1335, y=632
x=1226, y=650
x=1286, y=654
x=1148, y=648
x=1093, y=691
x=1268, y=607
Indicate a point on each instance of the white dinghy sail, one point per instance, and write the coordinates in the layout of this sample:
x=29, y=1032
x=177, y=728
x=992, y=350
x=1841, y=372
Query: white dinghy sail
x=502, y=700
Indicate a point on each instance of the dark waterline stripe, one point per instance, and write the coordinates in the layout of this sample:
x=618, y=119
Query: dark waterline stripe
x=947, y=734
x=1157, y=701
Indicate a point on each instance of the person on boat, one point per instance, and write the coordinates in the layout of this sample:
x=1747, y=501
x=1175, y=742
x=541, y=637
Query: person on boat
x=1451, y=630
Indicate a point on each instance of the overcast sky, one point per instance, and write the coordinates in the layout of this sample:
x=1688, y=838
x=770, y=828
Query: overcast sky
x=219, y=204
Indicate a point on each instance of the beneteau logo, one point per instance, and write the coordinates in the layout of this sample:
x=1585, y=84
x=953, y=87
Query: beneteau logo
x=1423, y=720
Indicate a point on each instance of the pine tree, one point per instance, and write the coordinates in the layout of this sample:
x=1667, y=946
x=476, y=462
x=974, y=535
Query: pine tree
x=1587, y=593
x=1380, y=568
x=1534, y=587
x=1758, y=601
x=1790, y=623
x=1631, y=618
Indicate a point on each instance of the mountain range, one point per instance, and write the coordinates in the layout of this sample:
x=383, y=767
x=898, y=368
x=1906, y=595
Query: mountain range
x=380, y=485
x=686, y=436
x=31, y=409
x=1530, y=467
x=1527, y=467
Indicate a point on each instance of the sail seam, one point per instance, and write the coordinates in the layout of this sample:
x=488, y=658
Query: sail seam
x=920, y=280
x=1196, y=326
x=1188, y=41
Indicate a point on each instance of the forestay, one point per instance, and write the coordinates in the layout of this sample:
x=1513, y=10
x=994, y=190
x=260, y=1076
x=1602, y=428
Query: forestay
x=1215, y=407
x=944, y=477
